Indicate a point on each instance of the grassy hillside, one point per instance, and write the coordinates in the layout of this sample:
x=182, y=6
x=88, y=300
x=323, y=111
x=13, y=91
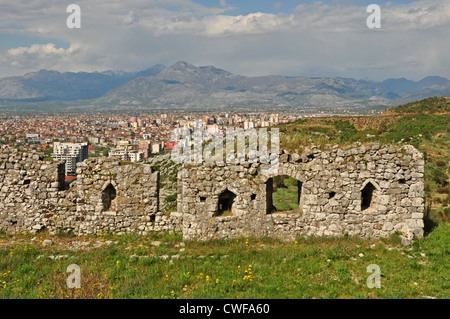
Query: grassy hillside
x=431, y=105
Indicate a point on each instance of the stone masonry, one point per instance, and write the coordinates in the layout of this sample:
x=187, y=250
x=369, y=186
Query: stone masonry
x=361, y=190
x=367, y=191
x=108, y=196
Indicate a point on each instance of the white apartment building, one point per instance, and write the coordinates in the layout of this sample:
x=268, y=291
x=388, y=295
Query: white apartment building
x=127, y=155
x=248, y=125
x=71, y=153
x=135, y=156
x=156, y=148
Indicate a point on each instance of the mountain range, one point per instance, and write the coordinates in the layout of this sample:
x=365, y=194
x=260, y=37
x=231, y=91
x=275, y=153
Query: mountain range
x=183, y=85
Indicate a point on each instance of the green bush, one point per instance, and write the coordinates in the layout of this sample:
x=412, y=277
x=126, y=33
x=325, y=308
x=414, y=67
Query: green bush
x=171, y=198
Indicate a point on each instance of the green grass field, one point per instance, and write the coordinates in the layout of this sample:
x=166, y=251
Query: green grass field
x=129, y=266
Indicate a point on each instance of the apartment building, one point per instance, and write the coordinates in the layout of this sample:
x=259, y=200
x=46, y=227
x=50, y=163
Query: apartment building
x=127, y=155
x=71, y=154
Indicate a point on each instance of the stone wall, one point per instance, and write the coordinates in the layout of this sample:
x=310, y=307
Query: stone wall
x=108, y=196
x=368, y=191
x=29, y=190
x=119, y=198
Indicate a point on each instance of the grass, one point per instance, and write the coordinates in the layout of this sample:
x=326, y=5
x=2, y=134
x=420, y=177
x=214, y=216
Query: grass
x=170, y=203
x=429, y=105
x=285, y=194
x=132, y=267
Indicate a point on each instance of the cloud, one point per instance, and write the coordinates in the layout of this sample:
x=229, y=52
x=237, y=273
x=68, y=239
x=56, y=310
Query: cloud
x=418, y=15
x=39, y=49
x=313, y=39
x=224, y=25
x=131, y=18
x=39, y=55
x=314, y=17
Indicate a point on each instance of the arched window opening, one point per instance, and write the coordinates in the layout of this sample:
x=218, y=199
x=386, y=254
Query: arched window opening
x=367, y=196
x=225, y=204
x=108, y=196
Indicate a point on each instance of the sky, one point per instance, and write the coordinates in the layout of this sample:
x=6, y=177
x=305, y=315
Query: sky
x=253, y=38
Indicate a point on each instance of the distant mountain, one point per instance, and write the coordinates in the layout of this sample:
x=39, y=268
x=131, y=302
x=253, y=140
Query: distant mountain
x=434, y=90
x=52, y=85
x=183, y=85
x=402, y=86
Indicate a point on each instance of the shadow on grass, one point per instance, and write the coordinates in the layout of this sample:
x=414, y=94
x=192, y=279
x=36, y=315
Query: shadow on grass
x=433, y=217
x=429, y=224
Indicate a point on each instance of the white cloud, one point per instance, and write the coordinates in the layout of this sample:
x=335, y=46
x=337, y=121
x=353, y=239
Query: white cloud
x=223, y=25
x=37, y=49
x=39, y=56
x=254, y=23
x=417, y=15
x=131, y=18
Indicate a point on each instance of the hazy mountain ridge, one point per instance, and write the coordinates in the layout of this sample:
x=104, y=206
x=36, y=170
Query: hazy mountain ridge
x=67, y=86
x=402, y=85
x=185, y=85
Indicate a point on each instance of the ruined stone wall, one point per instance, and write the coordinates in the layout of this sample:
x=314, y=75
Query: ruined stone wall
x=30, y=190
x=367, y=191
x=332, y=184
x=134, y=207
x=108, y=196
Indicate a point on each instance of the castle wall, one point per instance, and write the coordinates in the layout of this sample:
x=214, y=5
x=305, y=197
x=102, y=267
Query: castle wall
x=367, y=191
x=29, y=190
x=135, y=205
x=33, y=196
x=333, y=183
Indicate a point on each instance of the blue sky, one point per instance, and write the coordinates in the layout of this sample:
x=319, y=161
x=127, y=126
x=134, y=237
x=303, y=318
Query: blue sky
x=260, y=37
x=243, y=7
x=8, y=41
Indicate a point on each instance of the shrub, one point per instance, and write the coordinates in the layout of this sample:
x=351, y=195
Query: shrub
x=440, y=163
x=171, y=198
